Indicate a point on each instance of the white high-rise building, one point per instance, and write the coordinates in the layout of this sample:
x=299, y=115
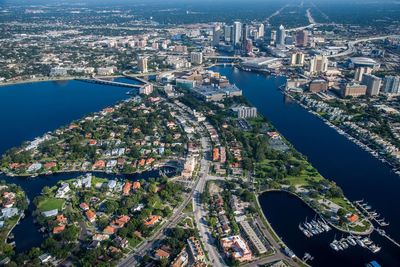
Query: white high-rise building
x=228, y=32
x=237, y=32
x=318, y=64
x=280, y=37
x=142, y=64
x=360, y=71
x=196, y=57
x=247, y=112
x=297, y=59
x=216, y=35
x=391, y=84
x=260, y=31
x=373, y=84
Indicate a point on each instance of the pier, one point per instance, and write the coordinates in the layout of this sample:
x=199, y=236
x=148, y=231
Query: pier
x=383, y=233
x=372, y=215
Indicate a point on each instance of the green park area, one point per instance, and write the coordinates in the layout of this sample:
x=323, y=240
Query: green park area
x=50, y=204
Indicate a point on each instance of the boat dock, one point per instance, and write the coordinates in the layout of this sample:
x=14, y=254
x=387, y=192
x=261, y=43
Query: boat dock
x=372, y=215
x=383, y=233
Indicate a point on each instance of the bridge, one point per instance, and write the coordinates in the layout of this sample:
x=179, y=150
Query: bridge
x=106, y=82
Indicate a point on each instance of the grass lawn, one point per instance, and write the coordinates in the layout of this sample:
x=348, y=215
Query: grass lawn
x=51, y=204
x=134, y=241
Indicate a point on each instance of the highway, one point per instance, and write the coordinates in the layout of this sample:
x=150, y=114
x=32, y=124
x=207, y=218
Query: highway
x=351, y=44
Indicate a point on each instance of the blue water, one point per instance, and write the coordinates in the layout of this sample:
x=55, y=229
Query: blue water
x=30, y=110
x=359, y=174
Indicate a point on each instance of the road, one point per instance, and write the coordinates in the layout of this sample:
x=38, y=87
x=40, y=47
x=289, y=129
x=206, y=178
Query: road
x=351, y=45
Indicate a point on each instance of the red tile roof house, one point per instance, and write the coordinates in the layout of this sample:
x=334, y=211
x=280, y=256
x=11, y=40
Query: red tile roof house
x=50, y=165
x=153, y=219
x=121, y=221
x=161, y=254
x=91, y=216
x=126, y=188
x=109, y=230
x=84, y=206
x=58, y=229
x=99, y=164
x=60, y=219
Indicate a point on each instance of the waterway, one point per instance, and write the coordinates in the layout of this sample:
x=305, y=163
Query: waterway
x=359, y=174
x=32, y=109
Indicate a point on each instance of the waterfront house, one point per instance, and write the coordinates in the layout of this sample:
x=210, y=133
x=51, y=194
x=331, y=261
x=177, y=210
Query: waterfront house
x=50, y=165
x=58, y=229
x=99, y=164
x=111, y=184
x=50, y=213
x=127, y=188
x=136, y=185
x=62, y=190
x=9, y=212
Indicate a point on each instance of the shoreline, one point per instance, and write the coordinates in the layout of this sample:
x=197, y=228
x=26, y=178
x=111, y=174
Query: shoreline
x=366, y=232
x=348, y=136
x=55, y=79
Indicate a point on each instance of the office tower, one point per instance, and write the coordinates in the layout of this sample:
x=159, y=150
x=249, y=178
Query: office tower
x=297, y=59
x=260, y=31
x=273, y=36
x=248, y=46
x=360, y=71
x=216, y=35
x=373, y=84
x=196, y=57
x=391, y=84
x=237, y=32
x=245, y=34
x=318, y=64
x=280, y=37
x=142, y=64
x=267, y=33
x=228, y=32
x=302, y=38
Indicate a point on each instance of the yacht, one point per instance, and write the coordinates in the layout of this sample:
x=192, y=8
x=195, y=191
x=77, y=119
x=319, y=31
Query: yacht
x=374, y=248
x=351, y=240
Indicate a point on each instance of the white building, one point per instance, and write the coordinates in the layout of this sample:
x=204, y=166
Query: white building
x=319, y=64
x=196, y=58
x=142, y=64
x=247, y=112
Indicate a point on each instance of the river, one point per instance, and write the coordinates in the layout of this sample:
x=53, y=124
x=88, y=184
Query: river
x=359, y=174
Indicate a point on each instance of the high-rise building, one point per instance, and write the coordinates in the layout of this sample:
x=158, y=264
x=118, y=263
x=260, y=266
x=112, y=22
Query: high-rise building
x=245, y=34
x=317, y=86
x=261, y=30
x=142, y=64
x=273, y=36
x=391, y=84
x=297, y=59
x=228, y=32
x=196, y=57
x=247, y=112
x=280, y=37
x=216, y=35
x=267, y=33
x=354, y=90
x=302, y=38
x=360, y=71
x=373, y=84
x=318, y=64
x=237, y=32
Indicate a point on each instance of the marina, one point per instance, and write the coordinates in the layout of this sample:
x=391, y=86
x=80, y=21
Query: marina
x=314, y=227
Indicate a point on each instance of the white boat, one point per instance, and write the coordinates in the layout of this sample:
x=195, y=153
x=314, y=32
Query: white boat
x=367, y=241
x=334, y=246
x=374, y=248
x=351, y=241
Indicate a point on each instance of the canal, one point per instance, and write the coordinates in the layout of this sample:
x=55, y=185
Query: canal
x=359, y=174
